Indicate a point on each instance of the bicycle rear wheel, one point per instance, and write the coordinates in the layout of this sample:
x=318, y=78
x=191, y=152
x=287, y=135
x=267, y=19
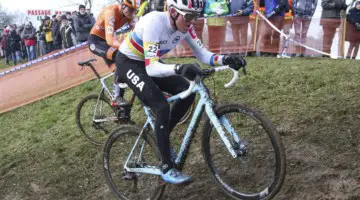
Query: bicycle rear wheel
x=128, y=185
x=96, y=118
x=259, y=170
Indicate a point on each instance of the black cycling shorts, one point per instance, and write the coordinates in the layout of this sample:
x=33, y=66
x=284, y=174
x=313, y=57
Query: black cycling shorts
x=98, y=46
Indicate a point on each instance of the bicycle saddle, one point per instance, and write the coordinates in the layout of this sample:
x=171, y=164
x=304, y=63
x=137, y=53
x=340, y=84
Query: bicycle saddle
x=86, y=62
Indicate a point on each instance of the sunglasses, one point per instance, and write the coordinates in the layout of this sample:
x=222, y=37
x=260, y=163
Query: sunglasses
x=189, y=16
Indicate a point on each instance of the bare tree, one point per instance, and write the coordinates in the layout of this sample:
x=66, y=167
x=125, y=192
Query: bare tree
x=86, y=3
x=21, y=18
x=6, y=18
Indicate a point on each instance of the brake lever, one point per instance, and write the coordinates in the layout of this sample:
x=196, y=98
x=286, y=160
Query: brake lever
x=206, y=72
x=82, y=67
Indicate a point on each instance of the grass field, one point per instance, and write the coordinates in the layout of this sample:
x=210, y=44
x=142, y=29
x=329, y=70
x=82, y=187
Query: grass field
x=314, y=103
x=3, y=64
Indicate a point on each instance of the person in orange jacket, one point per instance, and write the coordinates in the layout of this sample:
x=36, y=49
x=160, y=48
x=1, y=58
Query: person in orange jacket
x=102, y=40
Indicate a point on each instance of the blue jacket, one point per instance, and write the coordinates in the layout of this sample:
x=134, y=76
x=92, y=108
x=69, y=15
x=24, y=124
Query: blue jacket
x=247, y=6
x=354, y=15
x=277, y=6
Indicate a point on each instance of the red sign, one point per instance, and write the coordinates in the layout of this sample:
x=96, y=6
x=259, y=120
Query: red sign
x=39, y=12
x=60, y=12
x=43, y=12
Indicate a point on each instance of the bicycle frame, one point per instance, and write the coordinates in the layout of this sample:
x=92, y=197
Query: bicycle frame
x=111, y=95
x=104, y=88
x=205, y=103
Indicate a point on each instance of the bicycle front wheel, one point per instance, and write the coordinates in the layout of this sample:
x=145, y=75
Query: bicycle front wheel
x=259, y=170
x=96, y=118
x=130, y=185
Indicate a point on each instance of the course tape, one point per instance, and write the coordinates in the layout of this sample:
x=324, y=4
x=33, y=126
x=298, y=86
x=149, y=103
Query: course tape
x=288, y=36
x=57, y=54
x=47, y=57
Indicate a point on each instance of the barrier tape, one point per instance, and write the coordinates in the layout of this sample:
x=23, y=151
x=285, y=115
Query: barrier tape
x=287, y=37
x=57, y=54
x=50, y=56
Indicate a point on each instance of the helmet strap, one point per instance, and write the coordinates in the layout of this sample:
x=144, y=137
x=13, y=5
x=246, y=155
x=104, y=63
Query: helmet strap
x=174, y=20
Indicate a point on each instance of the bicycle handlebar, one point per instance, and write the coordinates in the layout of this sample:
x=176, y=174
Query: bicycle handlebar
x=205, y=72
x=186, y=93
x=234, y=78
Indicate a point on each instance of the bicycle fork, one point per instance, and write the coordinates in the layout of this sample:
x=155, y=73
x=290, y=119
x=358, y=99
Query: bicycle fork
x=217, y=123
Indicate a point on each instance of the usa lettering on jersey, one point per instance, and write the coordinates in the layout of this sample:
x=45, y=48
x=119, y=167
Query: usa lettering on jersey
x=134, y=79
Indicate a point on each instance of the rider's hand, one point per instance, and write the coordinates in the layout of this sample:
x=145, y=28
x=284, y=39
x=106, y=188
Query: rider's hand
x=189, y=71
x=234, y=61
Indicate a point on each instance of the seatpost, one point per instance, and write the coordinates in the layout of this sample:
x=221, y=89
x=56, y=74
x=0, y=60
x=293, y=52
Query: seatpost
x=95, y=72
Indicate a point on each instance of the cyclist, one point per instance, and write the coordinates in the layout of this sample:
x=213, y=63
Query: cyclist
x=138, y=65
x=102, y=41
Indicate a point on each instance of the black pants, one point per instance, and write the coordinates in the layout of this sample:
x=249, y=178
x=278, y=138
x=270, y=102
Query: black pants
x=49, y=47
x=149, y=91
x=57, y=46
x=98, y=46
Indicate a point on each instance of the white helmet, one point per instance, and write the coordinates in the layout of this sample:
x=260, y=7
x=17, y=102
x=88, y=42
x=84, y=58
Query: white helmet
x=186, y=5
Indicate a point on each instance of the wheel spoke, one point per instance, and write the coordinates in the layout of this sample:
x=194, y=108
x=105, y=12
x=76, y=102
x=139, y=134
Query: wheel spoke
x=261, y=158
x=95, y=118
x=116, y=152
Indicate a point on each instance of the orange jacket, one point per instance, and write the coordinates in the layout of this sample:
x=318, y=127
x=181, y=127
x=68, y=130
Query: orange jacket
x=110, y=19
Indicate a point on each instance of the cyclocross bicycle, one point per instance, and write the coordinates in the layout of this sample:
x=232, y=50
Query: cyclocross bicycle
x=241, y=148
x=97, y=118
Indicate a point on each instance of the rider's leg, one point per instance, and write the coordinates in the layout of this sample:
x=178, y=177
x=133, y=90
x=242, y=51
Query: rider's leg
x=174, y=85
x=99, y=47
x=133, y=73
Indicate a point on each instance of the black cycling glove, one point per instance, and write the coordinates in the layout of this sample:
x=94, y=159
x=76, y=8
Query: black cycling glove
x=234, y=61
x=189, y=71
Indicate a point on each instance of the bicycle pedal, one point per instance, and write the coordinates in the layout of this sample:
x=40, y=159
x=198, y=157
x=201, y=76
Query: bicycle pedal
x=97, y=117
x=129, y=176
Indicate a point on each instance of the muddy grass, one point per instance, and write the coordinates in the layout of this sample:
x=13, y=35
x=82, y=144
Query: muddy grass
x=314, y=104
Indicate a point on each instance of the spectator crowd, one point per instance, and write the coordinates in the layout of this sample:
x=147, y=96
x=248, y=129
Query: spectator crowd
x=20, y=42
x=64, y=31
